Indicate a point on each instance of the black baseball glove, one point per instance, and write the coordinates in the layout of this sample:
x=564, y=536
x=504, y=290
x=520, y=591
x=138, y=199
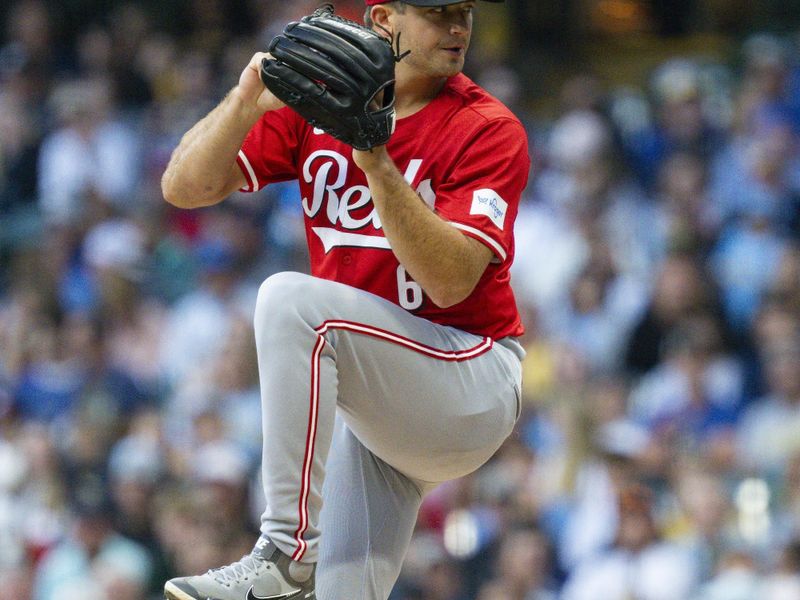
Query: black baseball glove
x=332, y=72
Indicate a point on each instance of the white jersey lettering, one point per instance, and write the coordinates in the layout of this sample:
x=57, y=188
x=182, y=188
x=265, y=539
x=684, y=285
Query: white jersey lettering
x=327, y=183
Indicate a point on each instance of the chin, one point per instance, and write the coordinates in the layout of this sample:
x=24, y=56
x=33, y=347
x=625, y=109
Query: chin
x=438, y=69
x=451, y=69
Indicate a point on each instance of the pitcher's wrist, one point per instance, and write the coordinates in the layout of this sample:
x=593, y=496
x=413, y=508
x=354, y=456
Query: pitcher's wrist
x=246, y=107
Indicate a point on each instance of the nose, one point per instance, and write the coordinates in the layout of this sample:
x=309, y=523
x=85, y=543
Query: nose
x=460, y=24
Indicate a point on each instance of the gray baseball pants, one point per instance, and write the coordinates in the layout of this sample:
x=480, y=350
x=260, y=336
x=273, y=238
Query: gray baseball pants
x=369, y=407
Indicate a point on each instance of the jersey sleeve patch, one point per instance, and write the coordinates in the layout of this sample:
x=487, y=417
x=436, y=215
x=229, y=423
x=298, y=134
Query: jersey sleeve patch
x=489, y=203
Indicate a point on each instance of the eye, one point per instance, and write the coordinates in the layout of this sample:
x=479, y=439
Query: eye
x=438, y=10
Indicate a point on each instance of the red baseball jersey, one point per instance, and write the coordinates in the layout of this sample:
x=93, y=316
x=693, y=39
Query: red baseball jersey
x=465, y=154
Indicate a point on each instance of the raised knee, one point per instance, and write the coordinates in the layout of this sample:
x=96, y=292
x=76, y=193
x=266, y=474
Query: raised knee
x=280, y=291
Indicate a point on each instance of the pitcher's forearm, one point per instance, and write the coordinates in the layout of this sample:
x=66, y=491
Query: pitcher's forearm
x=202, y=170
x=443, y=261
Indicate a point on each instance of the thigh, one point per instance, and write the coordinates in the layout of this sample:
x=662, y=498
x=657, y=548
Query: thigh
x=433, y=420
x=432, y=401
x=430, y=417
x=367, y=518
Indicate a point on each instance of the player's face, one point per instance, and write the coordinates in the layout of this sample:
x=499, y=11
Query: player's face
x=438, y=37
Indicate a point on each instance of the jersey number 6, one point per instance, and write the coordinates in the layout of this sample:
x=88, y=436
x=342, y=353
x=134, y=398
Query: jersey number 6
x=409, y=292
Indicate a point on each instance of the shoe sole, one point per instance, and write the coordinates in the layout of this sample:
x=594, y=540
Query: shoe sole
x=173, y=593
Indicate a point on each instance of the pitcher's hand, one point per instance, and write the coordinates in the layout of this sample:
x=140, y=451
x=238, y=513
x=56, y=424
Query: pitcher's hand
x=252, y=90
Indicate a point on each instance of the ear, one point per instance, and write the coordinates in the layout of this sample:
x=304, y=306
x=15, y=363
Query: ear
x=383, y=17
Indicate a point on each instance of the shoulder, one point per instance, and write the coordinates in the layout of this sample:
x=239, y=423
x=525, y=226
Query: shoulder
x=478, y=105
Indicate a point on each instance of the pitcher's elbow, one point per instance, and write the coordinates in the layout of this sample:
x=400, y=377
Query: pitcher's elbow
x=449, y=296
x=183, y=196
x=171, y=192
x=171, y=197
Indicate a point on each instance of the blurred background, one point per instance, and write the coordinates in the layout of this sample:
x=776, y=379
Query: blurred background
x=658, y=271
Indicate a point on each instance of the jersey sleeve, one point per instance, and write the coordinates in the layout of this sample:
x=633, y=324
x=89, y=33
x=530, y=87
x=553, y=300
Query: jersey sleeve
x=269, y=152
x=480, y=196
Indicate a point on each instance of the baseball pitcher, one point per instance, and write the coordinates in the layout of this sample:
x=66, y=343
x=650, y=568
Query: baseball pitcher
x=394, y=366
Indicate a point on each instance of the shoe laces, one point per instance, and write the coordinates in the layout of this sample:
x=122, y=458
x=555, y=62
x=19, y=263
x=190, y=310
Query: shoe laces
x=244, y=569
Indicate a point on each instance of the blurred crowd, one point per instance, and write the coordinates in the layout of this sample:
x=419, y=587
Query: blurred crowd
x=657, y=268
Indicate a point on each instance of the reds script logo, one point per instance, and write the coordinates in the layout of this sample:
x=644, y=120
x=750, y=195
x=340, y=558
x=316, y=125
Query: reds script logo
x=328, y=189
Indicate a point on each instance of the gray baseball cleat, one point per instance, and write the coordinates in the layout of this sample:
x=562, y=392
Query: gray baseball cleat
x=265, y=574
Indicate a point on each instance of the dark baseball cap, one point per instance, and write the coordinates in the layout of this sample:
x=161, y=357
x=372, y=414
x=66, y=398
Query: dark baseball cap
x=424, y=2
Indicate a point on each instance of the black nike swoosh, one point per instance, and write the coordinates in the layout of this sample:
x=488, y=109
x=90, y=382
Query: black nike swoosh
x=252, y=596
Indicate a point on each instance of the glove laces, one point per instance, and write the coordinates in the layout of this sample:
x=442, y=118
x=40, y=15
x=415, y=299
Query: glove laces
x=395, y=42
